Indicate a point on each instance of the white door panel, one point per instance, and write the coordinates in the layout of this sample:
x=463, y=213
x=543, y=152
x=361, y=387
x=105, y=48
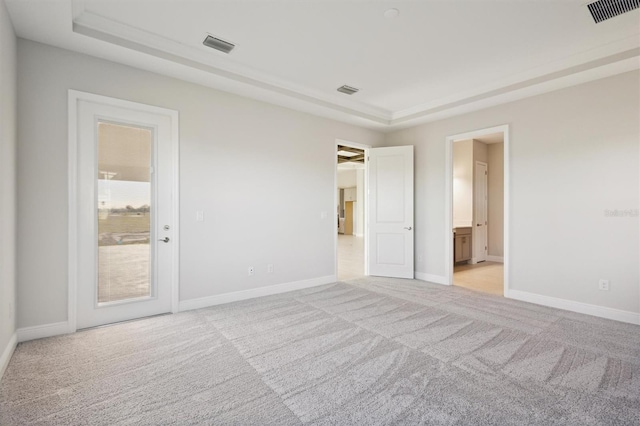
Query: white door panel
x=480, y=213
x=390, y=234
x=124, y=208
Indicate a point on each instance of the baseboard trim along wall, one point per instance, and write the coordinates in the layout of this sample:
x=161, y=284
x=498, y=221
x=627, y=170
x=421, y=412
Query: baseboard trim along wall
x=437, y=279
x=491, y=258
x=219, y=299
x=579, y=307
x=7, y=353
x=55, y=329
x=41, y=331
x=48, y=330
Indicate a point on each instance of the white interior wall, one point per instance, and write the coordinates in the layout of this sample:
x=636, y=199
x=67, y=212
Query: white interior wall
x=463, y=183
x=347, y=178
x=495, y=156
x=573, y=156
x=8, y=142
x=261, y=174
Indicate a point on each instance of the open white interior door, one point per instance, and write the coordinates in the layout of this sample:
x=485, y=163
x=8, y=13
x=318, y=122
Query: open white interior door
x=390, y=233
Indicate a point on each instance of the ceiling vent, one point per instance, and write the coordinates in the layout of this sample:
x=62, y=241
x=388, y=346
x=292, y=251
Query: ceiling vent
x=218, y=44
x=602, y=10
x=348, y=90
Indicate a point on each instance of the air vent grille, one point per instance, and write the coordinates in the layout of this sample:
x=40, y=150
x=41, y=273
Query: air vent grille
x=602, y=10
x=218, y=44
x=348, y=90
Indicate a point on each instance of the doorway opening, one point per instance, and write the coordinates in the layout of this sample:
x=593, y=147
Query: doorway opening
x=350, y=210
x=477, y=183
x=383, y=208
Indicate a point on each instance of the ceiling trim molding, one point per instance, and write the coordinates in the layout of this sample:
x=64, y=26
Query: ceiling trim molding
x=543, y=72
x=586, y=76
x=575, y=70
x=608, y=60
x=113, y=32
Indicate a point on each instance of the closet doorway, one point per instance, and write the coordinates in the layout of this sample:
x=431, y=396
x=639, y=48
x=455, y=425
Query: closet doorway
x=477, y=220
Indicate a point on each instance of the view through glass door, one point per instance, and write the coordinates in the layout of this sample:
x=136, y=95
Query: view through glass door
x=124, y=212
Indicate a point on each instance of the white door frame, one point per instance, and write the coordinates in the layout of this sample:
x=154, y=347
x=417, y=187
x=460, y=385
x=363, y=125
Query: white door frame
x=448, y=205
x=75, y=97
x=336, y=201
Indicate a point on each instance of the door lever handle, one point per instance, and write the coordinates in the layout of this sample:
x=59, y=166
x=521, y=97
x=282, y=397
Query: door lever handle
x=165, y=239
x=408, y=228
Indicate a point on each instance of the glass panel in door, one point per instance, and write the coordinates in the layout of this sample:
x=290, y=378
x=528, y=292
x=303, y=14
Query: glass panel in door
x=124, y=212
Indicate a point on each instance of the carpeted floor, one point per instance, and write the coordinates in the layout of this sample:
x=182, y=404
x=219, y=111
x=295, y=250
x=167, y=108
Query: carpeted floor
x=373, y=351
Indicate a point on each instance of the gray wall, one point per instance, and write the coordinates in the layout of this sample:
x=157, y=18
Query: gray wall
x=261, y=173
x=8, y=140
x=573, y=155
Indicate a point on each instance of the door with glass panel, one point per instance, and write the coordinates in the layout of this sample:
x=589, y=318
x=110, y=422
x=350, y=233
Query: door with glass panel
x=125, y=219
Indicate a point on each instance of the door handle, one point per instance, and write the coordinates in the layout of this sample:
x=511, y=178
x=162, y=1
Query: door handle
x=478, y=224
x=165, y=239
x=408, y=228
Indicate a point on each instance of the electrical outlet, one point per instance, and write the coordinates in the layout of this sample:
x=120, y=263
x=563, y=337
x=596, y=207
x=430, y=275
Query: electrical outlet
x=270, y=268
x=419, y=257
x=603, y=285
x=250, y=271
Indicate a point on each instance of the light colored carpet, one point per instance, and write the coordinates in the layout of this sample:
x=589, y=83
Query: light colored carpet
x=369, y=352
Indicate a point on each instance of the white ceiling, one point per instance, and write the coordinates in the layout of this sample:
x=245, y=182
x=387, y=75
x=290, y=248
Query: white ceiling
x=436, y=59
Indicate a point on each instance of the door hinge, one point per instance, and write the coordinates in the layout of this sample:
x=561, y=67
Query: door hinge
x=485, y=248
x=485, y=173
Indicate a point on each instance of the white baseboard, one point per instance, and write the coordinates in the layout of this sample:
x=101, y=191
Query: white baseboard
x=438, y=279
x=7, y=353
x=40, y=331
x=219, y=299
x=48, y=330
x=573, y=306
x=491, y=258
